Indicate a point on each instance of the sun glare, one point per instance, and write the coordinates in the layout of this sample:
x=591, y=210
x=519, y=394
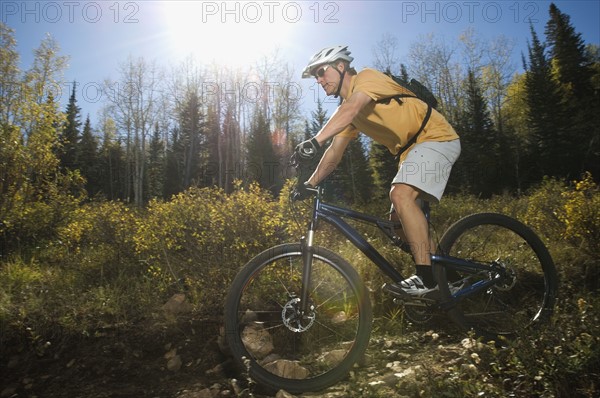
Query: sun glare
x=228, y=33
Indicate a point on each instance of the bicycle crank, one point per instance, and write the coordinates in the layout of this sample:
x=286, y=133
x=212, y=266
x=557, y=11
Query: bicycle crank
x=418, y=315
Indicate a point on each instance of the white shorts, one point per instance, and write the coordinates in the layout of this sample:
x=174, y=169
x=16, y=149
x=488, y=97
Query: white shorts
x=427, y=167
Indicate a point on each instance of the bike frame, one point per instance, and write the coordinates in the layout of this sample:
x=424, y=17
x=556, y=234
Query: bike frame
x=334, y=215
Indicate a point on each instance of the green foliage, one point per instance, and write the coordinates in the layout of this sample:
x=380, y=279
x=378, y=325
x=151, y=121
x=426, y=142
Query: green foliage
x=104, y=225
x=204, y=235
x=35, y=197
x=203, y=222
x=581, y=215
x=292, y=223
x=568, y=217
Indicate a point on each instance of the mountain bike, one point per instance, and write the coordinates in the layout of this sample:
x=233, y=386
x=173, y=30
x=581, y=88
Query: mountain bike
x=298, y=316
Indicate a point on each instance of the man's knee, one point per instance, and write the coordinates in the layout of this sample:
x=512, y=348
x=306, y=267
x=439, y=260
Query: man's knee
x=402, y=194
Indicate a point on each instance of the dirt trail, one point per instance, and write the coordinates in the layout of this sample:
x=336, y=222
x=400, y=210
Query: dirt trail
x=182, y=360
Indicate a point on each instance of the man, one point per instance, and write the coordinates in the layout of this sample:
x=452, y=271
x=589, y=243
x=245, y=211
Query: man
x=424, y=167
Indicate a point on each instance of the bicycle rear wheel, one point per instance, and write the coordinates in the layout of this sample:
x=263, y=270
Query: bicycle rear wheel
x=279, y=346
x=524, y=292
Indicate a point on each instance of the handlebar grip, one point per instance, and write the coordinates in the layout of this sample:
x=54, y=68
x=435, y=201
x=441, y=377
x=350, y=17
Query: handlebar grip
x=307, y=150
x=303, y=191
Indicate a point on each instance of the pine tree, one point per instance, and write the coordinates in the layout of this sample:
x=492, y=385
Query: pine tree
x=546, y=118
x=230, y=150
x=87, y=158
x=572, y=69
x=567, y=51
x=403, y=72
x=70, y=135
x=156, y=165
x=111, y=161
x=191, y=122
x=261, y=156
x=210, y=170
x=479, y=166
x=352, y=181
x=384, y=167
x=173, y=167
x=318, y=119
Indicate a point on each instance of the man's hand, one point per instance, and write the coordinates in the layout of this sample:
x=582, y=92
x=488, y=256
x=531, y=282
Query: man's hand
x=301, y=191
x=307, y=150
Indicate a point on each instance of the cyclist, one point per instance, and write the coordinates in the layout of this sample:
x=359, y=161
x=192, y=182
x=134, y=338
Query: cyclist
x=423, y=169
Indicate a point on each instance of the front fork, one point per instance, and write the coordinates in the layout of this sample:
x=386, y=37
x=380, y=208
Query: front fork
x=307, y=259
x=307, y=247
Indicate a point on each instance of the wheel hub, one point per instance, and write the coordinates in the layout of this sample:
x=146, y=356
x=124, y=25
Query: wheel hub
x=507, y=277
x=294, y=319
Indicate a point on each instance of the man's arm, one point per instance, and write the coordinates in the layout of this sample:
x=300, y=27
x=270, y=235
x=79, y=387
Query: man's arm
x=331, y=158
x=343, y=116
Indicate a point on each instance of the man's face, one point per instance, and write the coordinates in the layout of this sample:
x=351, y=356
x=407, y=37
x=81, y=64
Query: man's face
x=327, y=77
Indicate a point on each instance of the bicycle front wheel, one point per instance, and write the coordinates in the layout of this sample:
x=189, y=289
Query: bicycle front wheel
x=523, y=293
x=279, y=345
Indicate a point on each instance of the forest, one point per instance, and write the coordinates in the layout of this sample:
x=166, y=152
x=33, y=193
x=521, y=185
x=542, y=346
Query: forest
x=180, y=179
x=163, y=131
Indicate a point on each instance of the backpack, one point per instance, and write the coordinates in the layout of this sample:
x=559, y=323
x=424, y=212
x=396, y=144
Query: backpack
x=419, y=91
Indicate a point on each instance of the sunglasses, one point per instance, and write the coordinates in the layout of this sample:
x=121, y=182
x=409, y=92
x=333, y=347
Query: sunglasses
x=321, y=71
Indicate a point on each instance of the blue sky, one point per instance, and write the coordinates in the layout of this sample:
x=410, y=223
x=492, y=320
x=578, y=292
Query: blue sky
x=99, y=35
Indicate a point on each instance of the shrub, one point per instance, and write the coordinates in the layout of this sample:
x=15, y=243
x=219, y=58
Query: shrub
x=204, y=236
x=568, y=217
x=581, y=215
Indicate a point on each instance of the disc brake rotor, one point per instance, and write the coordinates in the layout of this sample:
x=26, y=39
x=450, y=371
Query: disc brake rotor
x=509, y=278
x=294, y=319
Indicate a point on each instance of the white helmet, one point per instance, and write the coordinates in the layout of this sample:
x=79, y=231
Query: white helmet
x=325, y=56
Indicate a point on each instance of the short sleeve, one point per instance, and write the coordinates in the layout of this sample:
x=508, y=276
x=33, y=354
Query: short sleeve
x=376, y=85
x=349, y=131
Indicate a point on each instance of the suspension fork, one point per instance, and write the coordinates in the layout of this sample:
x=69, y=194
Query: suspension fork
x=307, y=259
x=307, y=245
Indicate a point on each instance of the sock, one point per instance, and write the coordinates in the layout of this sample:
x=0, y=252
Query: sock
x=426, y=274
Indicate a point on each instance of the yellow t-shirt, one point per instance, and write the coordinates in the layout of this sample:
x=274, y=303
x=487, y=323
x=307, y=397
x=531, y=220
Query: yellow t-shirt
x=392, y=124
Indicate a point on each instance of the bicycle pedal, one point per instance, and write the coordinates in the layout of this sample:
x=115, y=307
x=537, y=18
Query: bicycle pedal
x=423, y=301
x=414, y=303
x=408, y=299
x=399, y=293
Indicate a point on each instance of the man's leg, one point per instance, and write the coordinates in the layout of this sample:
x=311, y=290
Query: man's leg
x=393, y=216
x=414, y=223
x=416, y=229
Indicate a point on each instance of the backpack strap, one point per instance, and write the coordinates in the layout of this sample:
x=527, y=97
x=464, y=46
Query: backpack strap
x=414, y=137
x=410, y=142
